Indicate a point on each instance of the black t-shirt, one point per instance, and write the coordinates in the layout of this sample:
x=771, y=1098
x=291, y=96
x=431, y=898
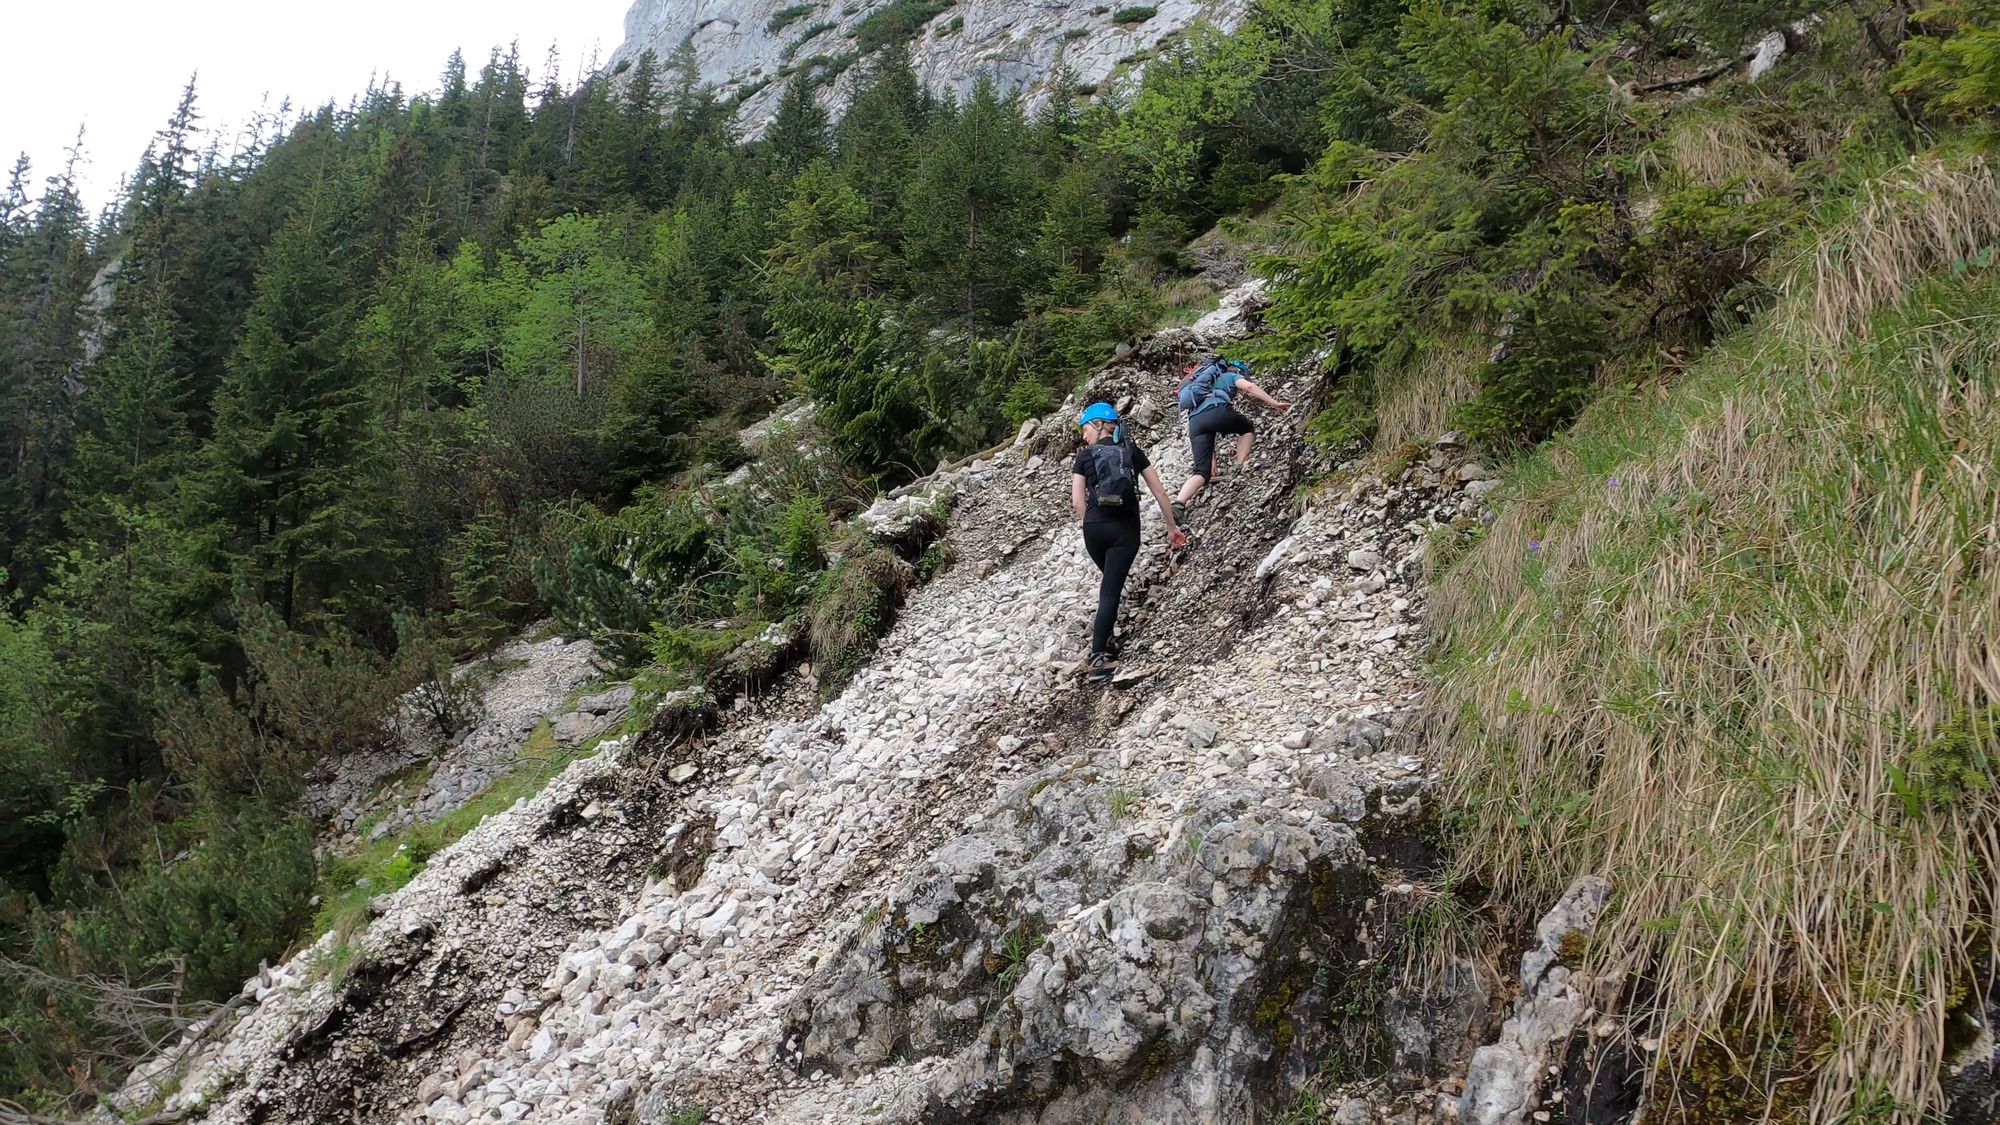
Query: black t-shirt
x=1124, y=513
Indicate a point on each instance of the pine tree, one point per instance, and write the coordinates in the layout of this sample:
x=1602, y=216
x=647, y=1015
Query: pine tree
x=1075, y=224
x=964, y=220
x=877, y=139
x=135, y=440
x=648, y=175
x=798, y=134
x=293, y=430
x=44, y=281
x=481, y=611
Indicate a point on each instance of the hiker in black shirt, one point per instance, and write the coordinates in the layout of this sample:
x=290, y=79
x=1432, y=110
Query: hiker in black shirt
x=1104, y=491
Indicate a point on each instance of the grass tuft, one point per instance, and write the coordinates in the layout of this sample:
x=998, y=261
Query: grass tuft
x=1927, y=215
x=1419, y=400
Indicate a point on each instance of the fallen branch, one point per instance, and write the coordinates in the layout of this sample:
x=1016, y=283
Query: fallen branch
x=1699, y=77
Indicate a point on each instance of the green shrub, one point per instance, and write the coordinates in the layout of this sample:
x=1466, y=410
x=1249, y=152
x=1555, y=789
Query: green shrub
x=87, y=987
x=825, y=68
x=936, y=559
x=610, y=577
x=1030, y=397
x=853, y=607
x=1243, y=181
x=786, y=16
x=1137, y=13
x=896, y=23
x=1345, y=419
x=1158, y=242
x=689, y=653
x=303, y=700
x=479, y=559
x=1953, y=66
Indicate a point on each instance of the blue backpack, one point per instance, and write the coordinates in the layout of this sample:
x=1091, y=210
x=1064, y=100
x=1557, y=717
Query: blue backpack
x=1114, y=481
x=1211, y=383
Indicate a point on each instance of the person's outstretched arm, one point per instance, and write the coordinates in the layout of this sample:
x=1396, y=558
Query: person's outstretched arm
x=1175, y=536
x=1079, y=493
x=1258, y=393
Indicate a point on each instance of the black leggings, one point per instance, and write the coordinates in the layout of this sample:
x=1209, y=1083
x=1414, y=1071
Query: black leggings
x=1113, y=546
x=1202, y=430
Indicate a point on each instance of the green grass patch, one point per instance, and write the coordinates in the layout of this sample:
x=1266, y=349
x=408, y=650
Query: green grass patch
x=788, y=15
x=1136, y=14
x=897, y=22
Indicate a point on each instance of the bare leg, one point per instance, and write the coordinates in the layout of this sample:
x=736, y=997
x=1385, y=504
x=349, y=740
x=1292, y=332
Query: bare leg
x=1189, y=487
x=1243, y=448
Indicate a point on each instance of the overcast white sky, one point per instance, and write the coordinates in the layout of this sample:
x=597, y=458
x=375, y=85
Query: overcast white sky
x=117, y=66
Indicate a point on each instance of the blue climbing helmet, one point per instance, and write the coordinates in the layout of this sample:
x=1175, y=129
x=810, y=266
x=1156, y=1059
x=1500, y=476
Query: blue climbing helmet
x=1097, y=412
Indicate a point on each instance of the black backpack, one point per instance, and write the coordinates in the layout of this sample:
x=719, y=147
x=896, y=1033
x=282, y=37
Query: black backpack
x=1114, y=481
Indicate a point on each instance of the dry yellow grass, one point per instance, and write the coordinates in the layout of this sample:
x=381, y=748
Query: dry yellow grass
x=1927, y=214
x=1732, y=651
x=1722, y=149
x=1419, y=398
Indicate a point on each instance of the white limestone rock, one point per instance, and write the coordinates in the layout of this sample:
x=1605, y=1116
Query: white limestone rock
x=1019, y=46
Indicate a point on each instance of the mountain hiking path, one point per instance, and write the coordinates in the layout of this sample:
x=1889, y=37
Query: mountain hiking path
x=966, y=887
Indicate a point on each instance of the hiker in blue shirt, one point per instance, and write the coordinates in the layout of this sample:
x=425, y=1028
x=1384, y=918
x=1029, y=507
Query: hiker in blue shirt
x=1208, y=395
x=1104, y=490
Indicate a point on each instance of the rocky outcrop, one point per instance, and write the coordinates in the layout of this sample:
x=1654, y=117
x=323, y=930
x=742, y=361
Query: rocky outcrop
x=518, y=686
x=1509, y=1077
x=1071, y=959
x=745, y=47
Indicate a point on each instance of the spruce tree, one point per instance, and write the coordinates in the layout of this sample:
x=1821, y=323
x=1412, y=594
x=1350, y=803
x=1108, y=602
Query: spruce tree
x=46, y=278
x=480, y=609
x=964, y=220
x=877, y=139
x=293, y=429
x=798, y=134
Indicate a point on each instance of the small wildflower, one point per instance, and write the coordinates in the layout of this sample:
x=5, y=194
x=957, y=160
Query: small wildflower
x=1612, y=483
x=1534, y=546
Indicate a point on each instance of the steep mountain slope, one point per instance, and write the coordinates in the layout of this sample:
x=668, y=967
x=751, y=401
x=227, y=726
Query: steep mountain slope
x=746, y=48
x=967, y=887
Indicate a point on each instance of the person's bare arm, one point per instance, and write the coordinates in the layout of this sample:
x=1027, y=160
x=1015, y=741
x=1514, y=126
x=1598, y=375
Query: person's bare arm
x=1079, y=493
x=1258, y=393
x=1175, y=535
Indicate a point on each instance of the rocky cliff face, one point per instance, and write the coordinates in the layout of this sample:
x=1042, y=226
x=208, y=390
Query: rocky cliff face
x=746, y=47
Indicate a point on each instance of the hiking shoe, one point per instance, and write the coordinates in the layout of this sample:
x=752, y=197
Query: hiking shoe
x=1112, y=648
x=1101, y=668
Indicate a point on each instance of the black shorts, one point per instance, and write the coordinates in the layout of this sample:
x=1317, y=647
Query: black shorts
x=1202, y=431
